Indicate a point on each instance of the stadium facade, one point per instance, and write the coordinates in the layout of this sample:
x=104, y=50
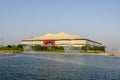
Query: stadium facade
x=60, y=39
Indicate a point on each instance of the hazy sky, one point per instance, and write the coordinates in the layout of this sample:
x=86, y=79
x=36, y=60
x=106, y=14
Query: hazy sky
x=97, y=20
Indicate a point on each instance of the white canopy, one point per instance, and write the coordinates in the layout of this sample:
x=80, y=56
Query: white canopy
x=61, y=35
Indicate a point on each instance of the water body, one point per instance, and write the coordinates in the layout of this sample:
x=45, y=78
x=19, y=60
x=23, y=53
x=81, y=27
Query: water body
x=59, y=67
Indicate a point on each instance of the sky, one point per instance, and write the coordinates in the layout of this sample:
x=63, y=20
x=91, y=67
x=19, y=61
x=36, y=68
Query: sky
x=98, y=20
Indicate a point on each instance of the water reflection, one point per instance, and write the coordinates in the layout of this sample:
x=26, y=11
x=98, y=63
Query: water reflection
x=59, y=67
x=62, y=59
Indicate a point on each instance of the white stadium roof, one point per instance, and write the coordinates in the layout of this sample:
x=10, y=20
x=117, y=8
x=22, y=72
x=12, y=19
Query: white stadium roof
x=61, y=35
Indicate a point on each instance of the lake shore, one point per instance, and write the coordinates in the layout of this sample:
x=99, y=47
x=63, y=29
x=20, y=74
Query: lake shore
x=60, y=53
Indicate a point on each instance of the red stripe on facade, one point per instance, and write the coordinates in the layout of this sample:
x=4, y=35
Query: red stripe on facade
x=49, y=42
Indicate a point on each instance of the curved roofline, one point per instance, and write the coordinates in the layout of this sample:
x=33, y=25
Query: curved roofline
x=60, y=35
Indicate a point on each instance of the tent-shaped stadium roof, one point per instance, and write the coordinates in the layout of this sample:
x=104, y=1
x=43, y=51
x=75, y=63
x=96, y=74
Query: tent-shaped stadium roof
x=61, y=35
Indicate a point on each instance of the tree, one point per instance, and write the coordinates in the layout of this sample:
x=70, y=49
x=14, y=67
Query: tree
x=86, y=48
x=93, y=48
x=9, y=46
x=20, y=46
x=38, y=48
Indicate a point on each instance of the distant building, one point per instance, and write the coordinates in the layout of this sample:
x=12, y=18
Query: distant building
x=60, y=39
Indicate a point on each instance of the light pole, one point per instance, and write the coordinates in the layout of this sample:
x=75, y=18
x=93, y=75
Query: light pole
x=1, y=41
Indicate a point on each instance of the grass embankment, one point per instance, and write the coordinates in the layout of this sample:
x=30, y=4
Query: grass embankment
x=11, y=51
x=49, y=49
x=46, y=51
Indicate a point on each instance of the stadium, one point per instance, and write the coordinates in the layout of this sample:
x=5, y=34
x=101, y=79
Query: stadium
x=60, y=39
